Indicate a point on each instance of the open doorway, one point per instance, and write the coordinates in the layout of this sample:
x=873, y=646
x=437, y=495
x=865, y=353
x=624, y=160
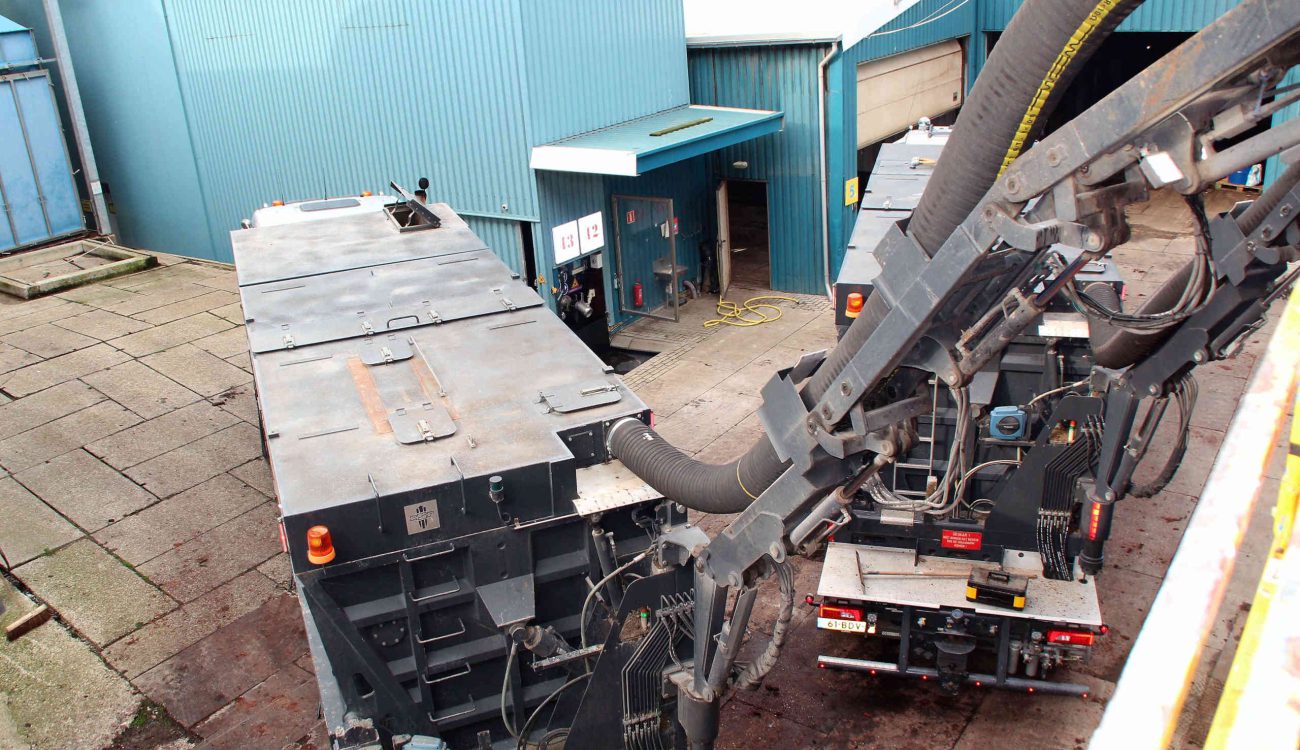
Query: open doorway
x=745, y=255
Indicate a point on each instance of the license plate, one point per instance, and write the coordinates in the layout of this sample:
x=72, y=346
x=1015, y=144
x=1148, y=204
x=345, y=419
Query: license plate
x=844, y=626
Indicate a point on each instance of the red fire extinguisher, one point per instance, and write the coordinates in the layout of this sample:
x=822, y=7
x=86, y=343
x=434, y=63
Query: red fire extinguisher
x=638, y=295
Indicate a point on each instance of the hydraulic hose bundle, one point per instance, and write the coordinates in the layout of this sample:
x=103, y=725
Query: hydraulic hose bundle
x=1043, y=49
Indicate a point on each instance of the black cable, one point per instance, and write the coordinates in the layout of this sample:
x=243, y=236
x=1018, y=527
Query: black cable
x=528, y=725
x=1185, y=393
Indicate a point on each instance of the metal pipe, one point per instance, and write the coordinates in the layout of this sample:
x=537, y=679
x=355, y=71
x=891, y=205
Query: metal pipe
x=54, y=18
x=1014, y=683
x=821, y=157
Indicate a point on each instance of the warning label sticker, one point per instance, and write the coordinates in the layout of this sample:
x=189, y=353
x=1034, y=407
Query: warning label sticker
x=953, y=539
x=421, y=517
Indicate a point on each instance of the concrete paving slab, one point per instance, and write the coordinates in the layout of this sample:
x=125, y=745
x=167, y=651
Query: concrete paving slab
x=855, y=708
x=1216, y=400
x=1049, y=722
x=57, y=693
x=48, y=340
x=64, y=434
x=257, y=475
x=93, y=591
x=181, y=628
x=188, y=307
x=197, y=370
x=679, y=384
x=31, y=528
x=46, y=406
x=1126, y=598
x=242, y=361
x=86, y=490
x=199, y=461
x=159, y=435
x=42, y=375
x=748, y=728
x=13, y=307
x=96, y=295
x=239, y=400
x=29, y=315
x=279, y=570
x=218, y=555
x=226, y=344
x=198, y=681
x=1202, y=448
x=705, y=418
x=102, y=324
x=154, y=292
x=171, y=334
x=141, y=389
x=733, y=443
x=13, y=358
x=232, y=312
x=141, y=537
x=279, y=711
x=1147, y=531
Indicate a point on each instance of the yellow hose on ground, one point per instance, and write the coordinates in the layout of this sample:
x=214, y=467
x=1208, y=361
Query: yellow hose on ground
x=739, y=315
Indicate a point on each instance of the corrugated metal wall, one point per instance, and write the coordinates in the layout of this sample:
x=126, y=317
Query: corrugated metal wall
x=1153, y=15
x=594, y=63
x=503, y=236
x=137, y=123
x=301, y=99
x=781, y=78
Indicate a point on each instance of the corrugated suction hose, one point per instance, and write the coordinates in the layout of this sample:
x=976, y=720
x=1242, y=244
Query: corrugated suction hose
x=1042, y=50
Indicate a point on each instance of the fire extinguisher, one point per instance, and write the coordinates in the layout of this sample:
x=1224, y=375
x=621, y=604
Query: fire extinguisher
x=638, y=295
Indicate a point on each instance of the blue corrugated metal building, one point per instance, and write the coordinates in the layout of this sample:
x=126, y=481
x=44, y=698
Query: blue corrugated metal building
x=38, y=196
x=528, y=117
x=204, y=111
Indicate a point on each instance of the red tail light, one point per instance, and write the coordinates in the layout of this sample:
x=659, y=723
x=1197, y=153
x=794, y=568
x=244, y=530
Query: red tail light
x=832, y=612
x=1071, y=637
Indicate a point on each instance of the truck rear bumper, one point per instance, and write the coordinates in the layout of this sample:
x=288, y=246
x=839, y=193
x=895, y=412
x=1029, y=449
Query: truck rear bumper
x=926, y=673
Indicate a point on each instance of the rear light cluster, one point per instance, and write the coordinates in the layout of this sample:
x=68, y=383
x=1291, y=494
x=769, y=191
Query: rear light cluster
x=833, y=612
x=1071, y=637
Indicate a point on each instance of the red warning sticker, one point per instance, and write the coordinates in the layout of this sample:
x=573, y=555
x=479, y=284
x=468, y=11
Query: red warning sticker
x=953, y=539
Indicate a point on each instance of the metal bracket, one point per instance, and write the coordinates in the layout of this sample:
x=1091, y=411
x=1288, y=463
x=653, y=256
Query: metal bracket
x=571, y=398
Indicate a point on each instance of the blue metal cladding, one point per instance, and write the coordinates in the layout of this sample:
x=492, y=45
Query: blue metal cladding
x=1153, y=15
x=17, y=46
x=782, y=78
x=137, y=124
x=595, y=63
x=301, y=99
x=503, y=236
x=37, y=192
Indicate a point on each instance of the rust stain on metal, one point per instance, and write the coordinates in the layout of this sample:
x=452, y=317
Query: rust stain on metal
x=431, y=386
x=369, y=394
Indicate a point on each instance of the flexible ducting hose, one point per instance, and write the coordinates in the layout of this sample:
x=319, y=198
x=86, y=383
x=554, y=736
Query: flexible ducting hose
x=1042, y=50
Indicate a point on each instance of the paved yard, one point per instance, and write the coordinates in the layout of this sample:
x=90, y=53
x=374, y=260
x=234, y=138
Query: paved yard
x=135, y=501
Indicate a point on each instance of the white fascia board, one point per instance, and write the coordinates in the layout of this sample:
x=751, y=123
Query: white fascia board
x=588, y=160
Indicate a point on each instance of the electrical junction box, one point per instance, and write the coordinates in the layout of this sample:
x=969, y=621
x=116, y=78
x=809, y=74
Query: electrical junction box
x=1007, y=423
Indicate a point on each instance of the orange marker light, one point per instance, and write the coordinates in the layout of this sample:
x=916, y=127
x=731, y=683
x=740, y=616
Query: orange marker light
x=320, y=548
x=277, y=203
x=853, y=305
x=366, y=193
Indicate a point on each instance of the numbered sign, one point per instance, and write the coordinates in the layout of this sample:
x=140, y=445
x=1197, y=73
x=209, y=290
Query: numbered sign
x=591, y=232
x=565, y=241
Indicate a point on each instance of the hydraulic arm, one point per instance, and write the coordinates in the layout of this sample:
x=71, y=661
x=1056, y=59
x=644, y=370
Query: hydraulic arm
x=973, y=268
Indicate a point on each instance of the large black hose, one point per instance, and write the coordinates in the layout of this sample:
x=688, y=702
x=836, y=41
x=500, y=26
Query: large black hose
x=1041, y=51
x=1045, y=46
